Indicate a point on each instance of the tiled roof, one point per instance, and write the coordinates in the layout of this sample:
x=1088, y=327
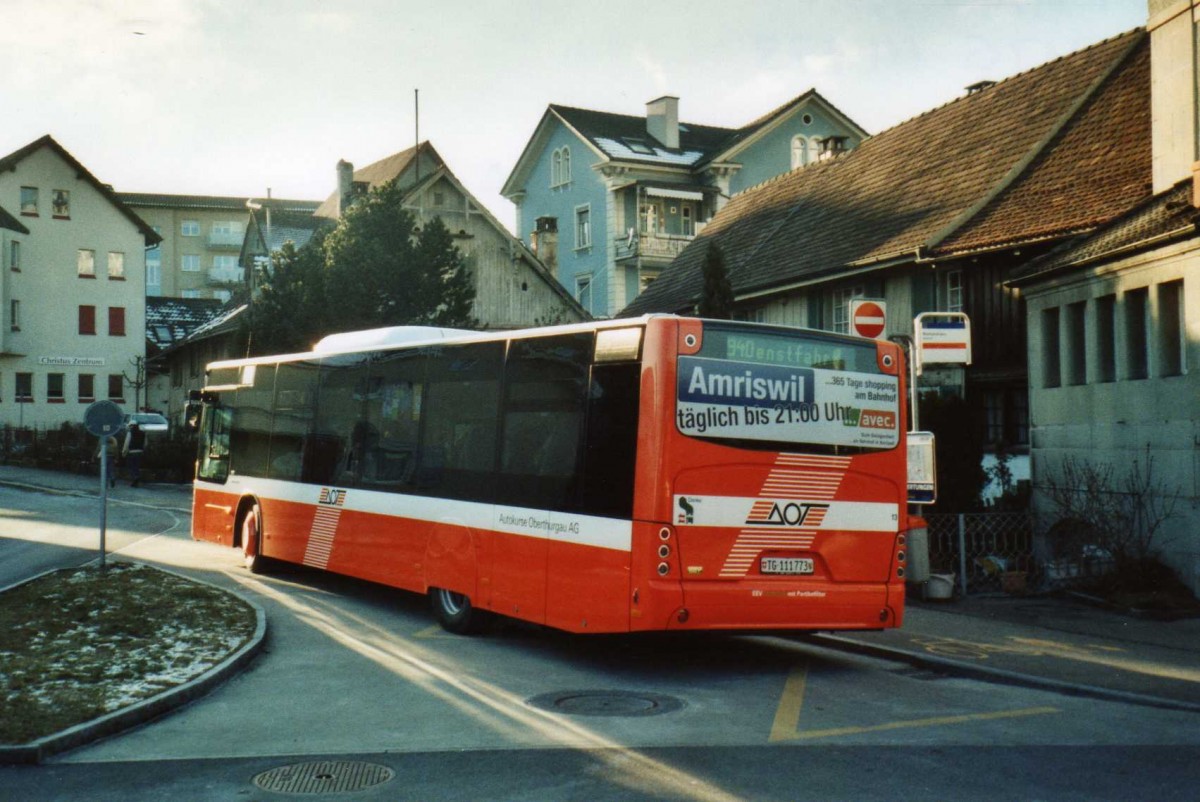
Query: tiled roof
x=11, y=161
x=380, y=172
x=296, y=227
x=960, y=177
x=170, y=320
x=1167, y=215
x=11, y=223
x=225, y=321
x=214, y=202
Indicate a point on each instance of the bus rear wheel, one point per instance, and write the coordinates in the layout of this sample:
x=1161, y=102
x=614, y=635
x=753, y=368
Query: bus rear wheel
x=455, y=612
x=252, y=541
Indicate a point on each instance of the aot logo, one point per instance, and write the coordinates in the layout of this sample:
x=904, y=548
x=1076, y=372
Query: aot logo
x=877, y=419
x=775, y=513
x=332, y=497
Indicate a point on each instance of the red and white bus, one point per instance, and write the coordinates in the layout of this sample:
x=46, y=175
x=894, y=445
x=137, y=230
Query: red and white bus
x=643, y=474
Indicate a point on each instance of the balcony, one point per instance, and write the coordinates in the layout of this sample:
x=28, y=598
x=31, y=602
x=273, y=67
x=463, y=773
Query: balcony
x=663, y=247
x=225, y=240
x=226, y=275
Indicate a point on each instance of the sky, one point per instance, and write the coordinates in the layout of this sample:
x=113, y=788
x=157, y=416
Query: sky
x=232, y=97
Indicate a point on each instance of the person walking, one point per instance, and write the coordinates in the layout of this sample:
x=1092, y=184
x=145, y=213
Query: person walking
x=135, y=446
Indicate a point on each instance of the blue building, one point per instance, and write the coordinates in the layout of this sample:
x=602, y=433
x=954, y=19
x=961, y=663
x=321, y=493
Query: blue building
x=608, y=200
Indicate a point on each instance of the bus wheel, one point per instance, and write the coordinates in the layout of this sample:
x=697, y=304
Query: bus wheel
x=455, y=613
x=252, y=541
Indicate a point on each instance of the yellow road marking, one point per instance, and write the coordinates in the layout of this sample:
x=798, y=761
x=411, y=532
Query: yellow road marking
x=787, y=715
x=939, y=721
x=434, y=631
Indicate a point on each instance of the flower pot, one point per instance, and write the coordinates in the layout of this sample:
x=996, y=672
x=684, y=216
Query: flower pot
x=940, y=586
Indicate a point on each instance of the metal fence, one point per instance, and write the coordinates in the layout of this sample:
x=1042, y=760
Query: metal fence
x=985, y=551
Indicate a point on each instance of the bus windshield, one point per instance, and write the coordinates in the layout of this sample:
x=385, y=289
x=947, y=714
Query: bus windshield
x=758, y=388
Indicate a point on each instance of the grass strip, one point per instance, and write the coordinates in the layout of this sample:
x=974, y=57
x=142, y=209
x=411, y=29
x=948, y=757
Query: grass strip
x=79, y=643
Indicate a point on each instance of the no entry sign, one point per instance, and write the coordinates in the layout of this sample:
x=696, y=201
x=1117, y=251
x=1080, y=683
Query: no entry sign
x=868, y=318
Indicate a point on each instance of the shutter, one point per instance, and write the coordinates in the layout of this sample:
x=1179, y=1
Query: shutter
x=87, y=319
x=116, y=321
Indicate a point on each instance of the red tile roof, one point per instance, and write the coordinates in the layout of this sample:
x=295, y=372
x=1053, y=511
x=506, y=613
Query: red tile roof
x=967, y=175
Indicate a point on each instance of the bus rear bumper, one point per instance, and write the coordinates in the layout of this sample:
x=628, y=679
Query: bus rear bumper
x=753, y=606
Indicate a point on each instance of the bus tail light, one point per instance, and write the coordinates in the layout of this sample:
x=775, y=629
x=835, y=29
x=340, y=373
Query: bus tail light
x=663, y=569
x=664, y=551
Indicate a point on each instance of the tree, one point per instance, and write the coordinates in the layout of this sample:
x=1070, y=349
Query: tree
x=716, y=301
x=289, y=314
x=374, y=269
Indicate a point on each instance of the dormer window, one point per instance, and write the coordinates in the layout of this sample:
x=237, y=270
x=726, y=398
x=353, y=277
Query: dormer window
x=638, y=146
x=800, y=155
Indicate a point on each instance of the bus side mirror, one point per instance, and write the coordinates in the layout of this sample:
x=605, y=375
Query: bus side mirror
x=191, y=416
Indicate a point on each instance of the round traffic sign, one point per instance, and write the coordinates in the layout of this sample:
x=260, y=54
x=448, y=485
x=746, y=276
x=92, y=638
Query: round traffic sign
x=103, y=418
x=868, y=320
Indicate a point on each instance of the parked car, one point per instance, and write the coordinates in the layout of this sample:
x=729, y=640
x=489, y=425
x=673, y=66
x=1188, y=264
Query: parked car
x=147, y=421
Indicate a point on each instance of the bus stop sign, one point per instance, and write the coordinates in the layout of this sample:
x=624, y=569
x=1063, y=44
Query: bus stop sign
x=103, y=418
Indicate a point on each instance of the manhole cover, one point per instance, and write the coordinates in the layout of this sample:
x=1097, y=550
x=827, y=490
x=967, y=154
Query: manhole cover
x=606, y=703
x=323, y=777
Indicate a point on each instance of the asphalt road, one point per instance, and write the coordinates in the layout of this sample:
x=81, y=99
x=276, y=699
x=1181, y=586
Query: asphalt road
x=358, y=679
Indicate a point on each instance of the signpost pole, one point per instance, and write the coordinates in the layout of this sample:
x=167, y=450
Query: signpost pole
x=104, y=419
x=103, y=498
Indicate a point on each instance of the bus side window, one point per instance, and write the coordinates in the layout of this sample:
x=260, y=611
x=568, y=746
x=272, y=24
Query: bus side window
x=458, y=426
x=611, y=444
x=544, y=406
x=328, y=458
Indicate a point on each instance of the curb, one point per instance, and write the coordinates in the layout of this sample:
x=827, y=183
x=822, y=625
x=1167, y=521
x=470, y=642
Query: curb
x=147, y=709
x=1000, y=675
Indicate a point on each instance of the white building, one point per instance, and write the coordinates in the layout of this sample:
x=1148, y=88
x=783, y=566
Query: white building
x=72, y=289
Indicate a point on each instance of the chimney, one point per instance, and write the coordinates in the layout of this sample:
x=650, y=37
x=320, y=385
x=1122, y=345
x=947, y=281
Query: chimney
x=345, y=185
x=662, y=120
x=545, y=242
x=976, y=88
x=831, y=147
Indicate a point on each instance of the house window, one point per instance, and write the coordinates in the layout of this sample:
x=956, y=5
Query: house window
x=24, y=387
x=222, y=295
x=154, y=273
x=116, y=387
x=189, y=228
x=954, y=291
x=116, y=321
x=583, y=227
x=87, y=319
x=190, y=263
x=87, y=387
x=86, y=263
x=227, y=228
x=1076, y=351
x=14, y=256
x=190, y=294
x=60, y=204
x=29, y=201
x=583, y=291
x=1170, y=329
x=565, y=174
x=756, y=315
x=799, y=151
x=648, y=216
x=689, y=222
x=1051, y=355
x=1006, y=417
x=14, y=315
x=1135, y=333
x=841, y=306
x=116, y=265
x=1106, y=352
x=54, y=388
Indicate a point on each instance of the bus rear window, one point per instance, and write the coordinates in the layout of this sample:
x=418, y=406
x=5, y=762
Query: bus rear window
x=761, y=388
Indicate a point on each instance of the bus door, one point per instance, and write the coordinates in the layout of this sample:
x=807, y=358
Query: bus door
x=788, y=475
